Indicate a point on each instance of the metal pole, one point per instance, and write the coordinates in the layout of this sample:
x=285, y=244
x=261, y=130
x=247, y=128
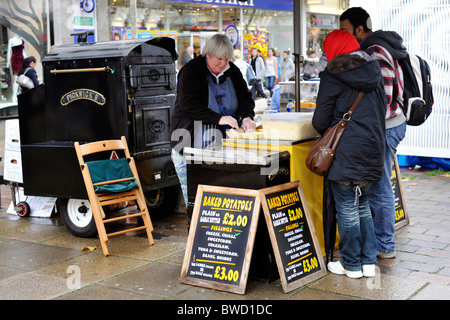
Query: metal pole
x=133, y=18
x=241, y=36
x=47, y=13
x=298, y=31
x=220, y=22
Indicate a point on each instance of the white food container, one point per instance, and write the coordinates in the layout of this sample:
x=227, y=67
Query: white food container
x=291, y=126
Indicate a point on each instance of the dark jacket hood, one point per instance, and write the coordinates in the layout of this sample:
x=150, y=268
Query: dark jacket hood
x=365, y=77
x=390, y=40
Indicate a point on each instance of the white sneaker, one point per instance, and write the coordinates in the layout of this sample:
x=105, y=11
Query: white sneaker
x=368, y=270
x=354, y=274
x=337, y=268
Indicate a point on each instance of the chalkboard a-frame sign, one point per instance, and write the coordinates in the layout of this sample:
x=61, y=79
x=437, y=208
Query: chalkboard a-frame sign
x=295, y=245
x=221, y=238
x=401, y=214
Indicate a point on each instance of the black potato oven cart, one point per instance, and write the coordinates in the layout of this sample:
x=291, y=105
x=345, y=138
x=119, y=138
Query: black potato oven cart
x=100, y=91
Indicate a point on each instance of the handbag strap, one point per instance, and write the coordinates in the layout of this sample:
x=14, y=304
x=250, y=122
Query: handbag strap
x=347, y=116
x=26, y=70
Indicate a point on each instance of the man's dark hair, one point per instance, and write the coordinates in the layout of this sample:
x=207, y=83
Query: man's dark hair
x=357, y=17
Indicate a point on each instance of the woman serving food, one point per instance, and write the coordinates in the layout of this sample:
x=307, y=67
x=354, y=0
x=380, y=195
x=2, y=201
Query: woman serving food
x=212, y=96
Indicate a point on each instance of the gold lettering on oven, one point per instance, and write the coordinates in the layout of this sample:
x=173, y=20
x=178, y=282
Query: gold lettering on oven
x=85, y=94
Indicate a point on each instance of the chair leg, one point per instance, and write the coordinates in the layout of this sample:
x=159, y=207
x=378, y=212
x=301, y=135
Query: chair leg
x=102, y=235
x=104, y=248
x=142, y=207
x=149, y=229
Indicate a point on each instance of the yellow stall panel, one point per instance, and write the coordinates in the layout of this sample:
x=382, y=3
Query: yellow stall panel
x=312, y=184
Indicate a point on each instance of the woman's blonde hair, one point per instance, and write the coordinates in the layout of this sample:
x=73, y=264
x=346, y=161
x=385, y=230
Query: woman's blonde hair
x=237, y=54
x=219, y=45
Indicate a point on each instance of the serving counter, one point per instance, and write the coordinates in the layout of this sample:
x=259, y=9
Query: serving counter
x=245, y=169
x=312, y=183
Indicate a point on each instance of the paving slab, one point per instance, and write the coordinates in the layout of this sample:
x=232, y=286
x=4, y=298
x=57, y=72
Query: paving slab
x=381, y=287
x=32, y=286
x=433, y=292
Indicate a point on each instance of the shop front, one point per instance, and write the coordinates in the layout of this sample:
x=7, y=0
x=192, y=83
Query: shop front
x=253, y=23
x=24, y=32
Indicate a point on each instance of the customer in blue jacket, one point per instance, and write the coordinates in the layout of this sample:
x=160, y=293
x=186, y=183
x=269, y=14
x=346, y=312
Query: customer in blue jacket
x=29, y=65
x=359, y=156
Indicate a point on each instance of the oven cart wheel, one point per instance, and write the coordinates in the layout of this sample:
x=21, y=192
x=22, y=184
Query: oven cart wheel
x=23, y=209
x=162, y=201
x=78, y=218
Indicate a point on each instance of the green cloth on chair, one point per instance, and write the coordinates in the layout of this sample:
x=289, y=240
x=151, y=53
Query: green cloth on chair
x=111, y=169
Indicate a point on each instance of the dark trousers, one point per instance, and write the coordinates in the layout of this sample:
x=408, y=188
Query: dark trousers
x=257, y=89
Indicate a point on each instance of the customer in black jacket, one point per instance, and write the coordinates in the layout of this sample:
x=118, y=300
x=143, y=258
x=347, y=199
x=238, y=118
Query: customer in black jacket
x=359, y=155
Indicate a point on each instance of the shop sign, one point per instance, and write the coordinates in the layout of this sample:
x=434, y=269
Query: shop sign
x=285, y=5
x=87, y=5
x=322, y=21
x=233, y=34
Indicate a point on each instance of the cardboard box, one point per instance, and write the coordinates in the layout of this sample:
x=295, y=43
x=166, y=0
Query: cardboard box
x=12, y=166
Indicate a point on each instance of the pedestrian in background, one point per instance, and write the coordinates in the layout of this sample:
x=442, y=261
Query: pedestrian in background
x=188, y=56
x=387, y=47
x=271, y=70
x=358, y=160
x=28, y=69
x=240, y=63
x=287, y=68
x=257, y=64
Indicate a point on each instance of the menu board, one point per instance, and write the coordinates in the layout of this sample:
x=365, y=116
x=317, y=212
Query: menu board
x=295, y=245
x=221, y=238
x=401, y=214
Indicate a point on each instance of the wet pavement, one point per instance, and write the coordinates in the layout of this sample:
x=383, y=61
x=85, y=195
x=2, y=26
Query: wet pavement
x=40, y=259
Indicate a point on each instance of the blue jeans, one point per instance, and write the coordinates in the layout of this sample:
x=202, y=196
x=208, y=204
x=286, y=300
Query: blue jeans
x=270, y=83
x=382, y=196
x=357, y=244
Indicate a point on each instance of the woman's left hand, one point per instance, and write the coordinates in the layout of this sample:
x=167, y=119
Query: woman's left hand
x=248, y=125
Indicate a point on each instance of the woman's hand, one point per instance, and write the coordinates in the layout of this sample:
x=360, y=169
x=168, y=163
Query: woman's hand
x=248, y=125
x=230, y=121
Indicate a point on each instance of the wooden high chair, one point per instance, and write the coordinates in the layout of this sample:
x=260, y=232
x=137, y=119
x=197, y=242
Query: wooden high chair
x=112, y=181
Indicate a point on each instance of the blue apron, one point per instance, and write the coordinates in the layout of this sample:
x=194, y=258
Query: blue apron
x=221, y=99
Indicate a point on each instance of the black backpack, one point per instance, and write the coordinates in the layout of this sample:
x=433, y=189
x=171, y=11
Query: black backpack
x=418, y=94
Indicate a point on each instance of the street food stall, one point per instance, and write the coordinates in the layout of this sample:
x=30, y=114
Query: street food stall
x=286, y=135
x=99, y=91
x=292, y=133
x=245, y=169
x=271, y=157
